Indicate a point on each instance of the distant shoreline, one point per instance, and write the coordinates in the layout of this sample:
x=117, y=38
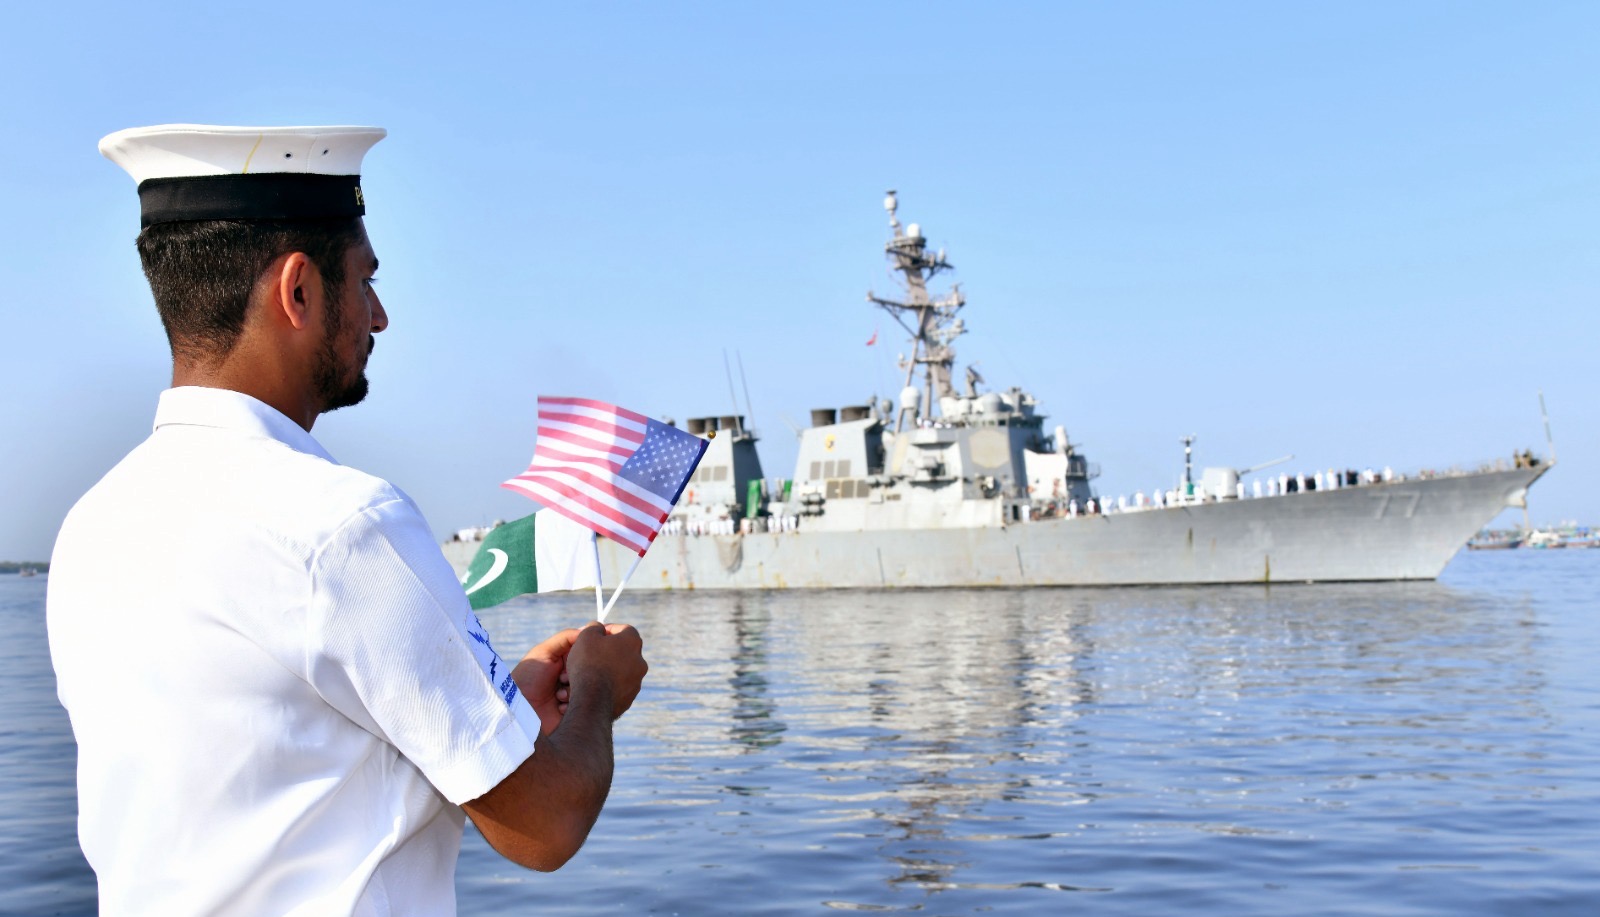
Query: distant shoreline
x=16, y=566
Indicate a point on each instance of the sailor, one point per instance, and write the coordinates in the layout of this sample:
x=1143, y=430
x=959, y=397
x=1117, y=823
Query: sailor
x=282, y=700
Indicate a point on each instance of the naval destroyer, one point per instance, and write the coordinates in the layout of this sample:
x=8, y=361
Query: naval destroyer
x=957, y=487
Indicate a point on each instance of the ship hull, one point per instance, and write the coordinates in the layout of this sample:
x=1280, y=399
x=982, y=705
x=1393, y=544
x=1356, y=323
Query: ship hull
x=1403, y=530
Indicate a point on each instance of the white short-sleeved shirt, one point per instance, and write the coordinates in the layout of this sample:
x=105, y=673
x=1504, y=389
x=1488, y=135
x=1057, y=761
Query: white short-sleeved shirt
x=277, y=686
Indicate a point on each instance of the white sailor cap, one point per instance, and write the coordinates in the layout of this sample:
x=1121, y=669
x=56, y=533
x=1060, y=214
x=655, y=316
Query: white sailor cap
x=206, y=172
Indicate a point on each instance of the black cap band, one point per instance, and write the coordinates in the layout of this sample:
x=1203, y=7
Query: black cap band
x=263, y=196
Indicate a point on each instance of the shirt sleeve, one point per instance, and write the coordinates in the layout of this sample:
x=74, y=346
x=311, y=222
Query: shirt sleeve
x=393, y=644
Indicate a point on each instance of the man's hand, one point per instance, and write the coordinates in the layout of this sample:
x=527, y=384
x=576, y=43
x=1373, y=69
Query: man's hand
x=541, y=676
x=608, y=660
x=578, y=681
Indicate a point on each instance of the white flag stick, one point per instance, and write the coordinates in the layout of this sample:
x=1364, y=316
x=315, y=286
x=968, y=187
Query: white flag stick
x=620, y=586
x=599, y=594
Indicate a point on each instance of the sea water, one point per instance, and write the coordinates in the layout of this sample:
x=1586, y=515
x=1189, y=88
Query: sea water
x=1384, y=749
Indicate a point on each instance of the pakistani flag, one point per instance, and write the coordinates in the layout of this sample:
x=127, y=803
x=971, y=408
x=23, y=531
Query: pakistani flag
x=544, y=552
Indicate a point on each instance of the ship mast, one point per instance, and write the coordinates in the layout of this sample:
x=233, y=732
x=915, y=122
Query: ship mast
x=930, y=322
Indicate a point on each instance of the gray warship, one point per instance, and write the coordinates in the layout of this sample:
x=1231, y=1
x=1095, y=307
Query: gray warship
x=958, y=488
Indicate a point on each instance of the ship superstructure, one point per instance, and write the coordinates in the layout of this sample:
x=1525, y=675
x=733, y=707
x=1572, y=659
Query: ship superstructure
x=939, y=458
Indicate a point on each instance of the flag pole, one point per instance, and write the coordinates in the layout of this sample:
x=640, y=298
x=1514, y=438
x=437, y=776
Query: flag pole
x=620, y=586
x=599, y=594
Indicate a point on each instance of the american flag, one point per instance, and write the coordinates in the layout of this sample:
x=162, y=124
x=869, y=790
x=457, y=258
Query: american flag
x=613, y=470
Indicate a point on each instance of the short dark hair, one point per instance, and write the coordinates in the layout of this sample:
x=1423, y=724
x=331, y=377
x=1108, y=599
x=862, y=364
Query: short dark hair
x=203, y=273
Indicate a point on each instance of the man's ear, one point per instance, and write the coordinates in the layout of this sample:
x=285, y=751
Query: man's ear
x=297, y=290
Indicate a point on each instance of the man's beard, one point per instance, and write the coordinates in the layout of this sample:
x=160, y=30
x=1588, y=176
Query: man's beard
x=329, y=375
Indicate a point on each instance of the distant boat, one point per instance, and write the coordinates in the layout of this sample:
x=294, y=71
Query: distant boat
x=1545, y=538
x=1497, y=540
x=26, y=571
x=1565, y=535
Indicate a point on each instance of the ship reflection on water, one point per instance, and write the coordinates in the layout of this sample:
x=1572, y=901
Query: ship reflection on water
x=755, y=724
x=870, y=749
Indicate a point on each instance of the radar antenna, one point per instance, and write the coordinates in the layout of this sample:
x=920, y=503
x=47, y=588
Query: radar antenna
x=931, y=322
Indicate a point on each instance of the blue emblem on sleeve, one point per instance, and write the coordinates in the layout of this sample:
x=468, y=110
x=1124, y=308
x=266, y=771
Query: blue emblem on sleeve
x=498, y=673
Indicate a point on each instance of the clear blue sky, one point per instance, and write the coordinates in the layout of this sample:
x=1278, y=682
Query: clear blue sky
x=1362, y=233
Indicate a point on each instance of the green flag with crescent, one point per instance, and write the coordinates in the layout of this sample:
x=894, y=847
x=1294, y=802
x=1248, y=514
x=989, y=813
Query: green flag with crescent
x=543, y=552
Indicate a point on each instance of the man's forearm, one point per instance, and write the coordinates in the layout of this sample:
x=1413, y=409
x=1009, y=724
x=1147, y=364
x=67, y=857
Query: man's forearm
x=581, y=763
x=540, y=815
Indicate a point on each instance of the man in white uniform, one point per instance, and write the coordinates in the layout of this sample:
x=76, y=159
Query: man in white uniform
x=282, y=700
